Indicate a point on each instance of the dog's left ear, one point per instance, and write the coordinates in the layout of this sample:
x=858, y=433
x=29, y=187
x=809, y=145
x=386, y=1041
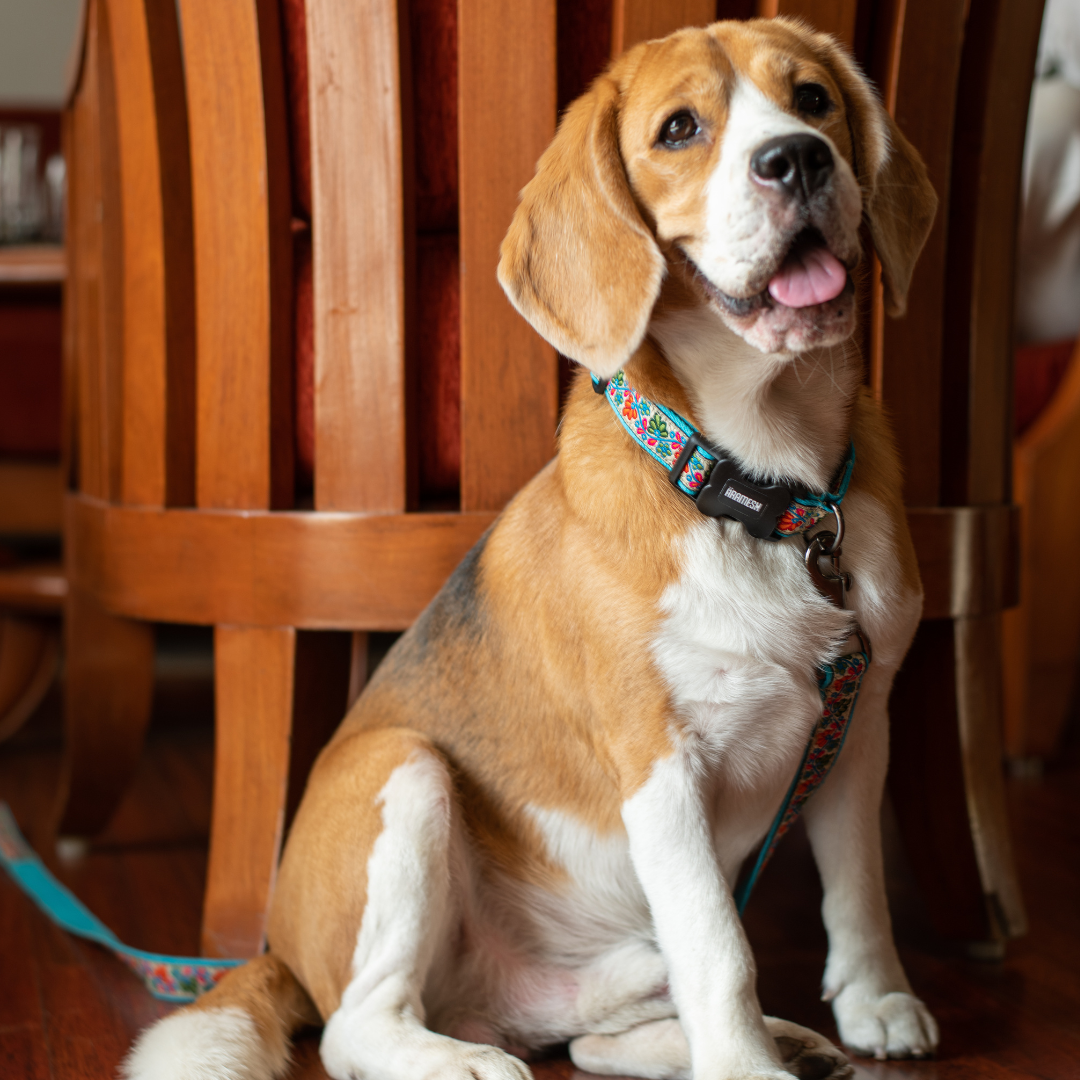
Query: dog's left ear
x=578, y=261
x=901, y=210
x=899, y=201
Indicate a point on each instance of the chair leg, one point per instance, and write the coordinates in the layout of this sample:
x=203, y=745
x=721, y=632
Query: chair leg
x=980, y=705
x=946, y=783
x=108, y=694
x=253, y=675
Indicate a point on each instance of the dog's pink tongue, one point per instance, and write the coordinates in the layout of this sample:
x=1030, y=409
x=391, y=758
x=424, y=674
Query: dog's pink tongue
x=812, y=277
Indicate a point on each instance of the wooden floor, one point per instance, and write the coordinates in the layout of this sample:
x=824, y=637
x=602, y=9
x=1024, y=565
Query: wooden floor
x=69, y=1010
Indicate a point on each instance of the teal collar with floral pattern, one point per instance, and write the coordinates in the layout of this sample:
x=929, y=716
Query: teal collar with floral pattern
x=710, y=477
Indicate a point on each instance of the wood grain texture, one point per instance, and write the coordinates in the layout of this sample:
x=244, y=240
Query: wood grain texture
x=109, y=685
x=640, y=20
x=995, y=87
x=94, y=266
x=31, y=497
x=144, y=356
x=835, y=17
x=253, y=674
x=238, y=254
x=916, y=62
x=979, y=711
x=316, y=571
x=170, y=104
x=358, y=248
x=1042, y=635
x=509, y=376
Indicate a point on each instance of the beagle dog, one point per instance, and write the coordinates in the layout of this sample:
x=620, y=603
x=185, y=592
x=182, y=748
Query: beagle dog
x=527, y=830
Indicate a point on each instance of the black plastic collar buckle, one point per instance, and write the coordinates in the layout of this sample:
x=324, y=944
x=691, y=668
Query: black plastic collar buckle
x=728, y=493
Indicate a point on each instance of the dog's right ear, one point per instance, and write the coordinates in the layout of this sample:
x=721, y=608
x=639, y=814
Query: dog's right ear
x=578, y=261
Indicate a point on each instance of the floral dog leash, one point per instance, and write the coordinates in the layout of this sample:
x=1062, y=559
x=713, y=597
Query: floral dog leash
x=171, y=978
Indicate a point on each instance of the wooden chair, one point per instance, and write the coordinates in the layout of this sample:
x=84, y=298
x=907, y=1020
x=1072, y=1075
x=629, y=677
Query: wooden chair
x=184, y=503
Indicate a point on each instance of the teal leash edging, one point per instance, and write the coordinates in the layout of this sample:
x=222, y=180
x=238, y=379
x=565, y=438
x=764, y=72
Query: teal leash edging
x=170, y=978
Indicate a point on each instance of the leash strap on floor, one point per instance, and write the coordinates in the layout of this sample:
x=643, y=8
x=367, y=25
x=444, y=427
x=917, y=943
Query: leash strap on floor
x=171, y=978
x=839, y=683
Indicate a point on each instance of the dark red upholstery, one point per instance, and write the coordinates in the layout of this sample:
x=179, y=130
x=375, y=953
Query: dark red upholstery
x=1038, y=373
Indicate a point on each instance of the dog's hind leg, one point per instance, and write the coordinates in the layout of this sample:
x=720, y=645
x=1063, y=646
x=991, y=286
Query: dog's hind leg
x=659, y=1051
x=376, y=1031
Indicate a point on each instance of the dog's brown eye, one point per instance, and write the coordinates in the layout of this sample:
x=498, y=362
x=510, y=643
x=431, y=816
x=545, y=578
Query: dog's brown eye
x=678, y=129
x=813, y=99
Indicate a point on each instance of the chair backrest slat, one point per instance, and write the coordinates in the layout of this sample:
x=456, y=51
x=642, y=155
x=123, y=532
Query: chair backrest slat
x=94, y=300
x=639, y=20
x=916, y=62
x=835, y=17
x=358, y=249
x=509, y=377
x=995, y=89
x=240, y=195
x=149, y=264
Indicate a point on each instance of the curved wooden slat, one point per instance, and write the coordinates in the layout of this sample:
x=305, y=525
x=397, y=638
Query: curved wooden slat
x=29, y=652
x=157, y=455
x=916, y=62
x=314, y=571
x=835, y=17
x=509, y=377
x=239, y=165
x=985, y=219
x=358, y=251
x=143, y=453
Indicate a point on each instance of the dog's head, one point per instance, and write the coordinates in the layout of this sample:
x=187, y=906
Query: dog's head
x=746, y=154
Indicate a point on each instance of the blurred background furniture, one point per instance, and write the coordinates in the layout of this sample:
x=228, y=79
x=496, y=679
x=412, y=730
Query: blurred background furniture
x=31, y=277
x=1042, y=634
x=297, y=395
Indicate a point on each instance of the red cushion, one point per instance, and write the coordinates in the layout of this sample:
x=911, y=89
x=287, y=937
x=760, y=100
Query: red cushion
x=294, y=48
x=433, y=39
x=1038, y=372
x=30, y=365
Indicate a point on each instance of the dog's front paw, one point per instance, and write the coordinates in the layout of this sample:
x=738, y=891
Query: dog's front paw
x=807, y=1054
x=896, y=1025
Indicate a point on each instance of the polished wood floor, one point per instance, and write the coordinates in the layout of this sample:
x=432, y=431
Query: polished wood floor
x=68, y=1009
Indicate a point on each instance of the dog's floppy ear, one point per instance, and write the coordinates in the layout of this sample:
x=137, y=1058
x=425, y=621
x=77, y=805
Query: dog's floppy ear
x=899, y=202
x=578, y=261
x=900, y=209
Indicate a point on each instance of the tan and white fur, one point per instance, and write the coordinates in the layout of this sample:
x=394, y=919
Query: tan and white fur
x=527, y=829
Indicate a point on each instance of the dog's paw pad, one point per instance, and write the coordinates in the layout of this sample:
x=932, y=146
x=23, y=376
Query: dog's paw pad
x=896, y=1025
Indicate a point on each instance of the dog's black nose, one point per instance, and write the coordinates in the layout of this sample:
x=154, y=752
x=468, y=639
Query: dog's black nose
x=800, y=164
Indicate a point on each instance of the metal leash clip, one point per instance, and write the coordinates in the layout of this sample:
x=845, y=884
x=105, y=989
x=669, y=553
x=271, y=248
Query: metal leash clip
x=822, y=560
